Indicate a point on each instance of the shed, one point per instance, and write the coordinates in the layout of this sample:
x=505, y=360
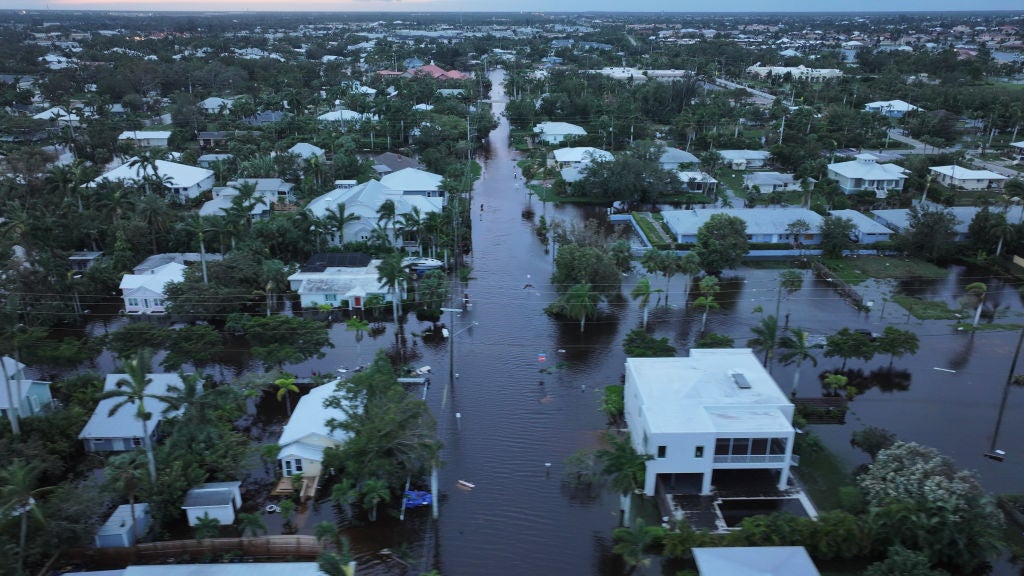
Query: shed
x=219, y=500
x=121, y=530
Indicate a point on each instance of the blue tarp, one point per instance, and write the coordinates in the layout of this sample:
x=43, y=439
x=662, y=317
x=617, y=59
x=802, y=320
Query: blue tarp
x=415, y=498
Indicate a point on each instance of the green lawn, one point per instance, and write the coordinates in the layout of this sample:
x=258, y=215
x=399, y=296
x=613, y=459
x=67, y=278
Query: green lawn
x=821, y=473
x=927, y=309
x=856, y=270
x=732, y=180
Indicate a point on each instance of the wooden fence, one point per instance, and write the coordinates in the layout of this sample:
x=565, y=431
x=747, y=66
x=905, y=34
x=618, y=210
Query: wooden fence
x=299, y=546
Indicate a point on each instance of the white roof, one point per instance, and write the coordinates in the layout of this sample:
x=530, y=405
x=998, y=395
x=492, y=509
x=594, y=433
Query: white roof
x=755, y=561
x=732, y=155
x=863, y=222
x=700, y=394
x=345, y=116
x=759, y=220
x=306, y=150
x=768, y=179
x=364, y=200
x=309, y=418
x=675, y=156
x=214, y=102
x=244, y=569
x=124, y=424
x=412, y=179
x=119, y=521
x=582, y=154
x=896, y=105
x=345, y=281
x=155, y=280
x=56, y=113
x=697, y=175
x=960, y=173
x=143, y=135
x=1017, y=144
x=900, y=217
x=181, y=175
x=12, y=366
x=866, y=168
x=559, y=128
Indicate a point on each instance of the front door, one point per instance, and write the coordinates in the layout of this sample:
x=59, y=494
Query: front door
x=288, y=469
x=357, y=302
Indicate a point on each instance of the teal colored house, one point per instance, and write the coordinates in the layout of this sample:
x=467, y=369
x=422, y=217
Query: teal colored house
x=30, y=397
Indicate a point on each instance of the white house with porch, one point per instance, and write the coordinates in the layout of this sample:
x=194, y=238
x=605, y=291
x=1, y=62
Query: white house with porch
x=558, y=132
x=122, y=431
x=183, y=181
x=745, y=159
x=718, y=409
x=414, y=182
x=144, y=139
x=891, y=108
x=306, y=435
x=865, y=173
x=764, y=225
x=1017, y=151
x=364, y=200
x=144, y=293
x=339, y=284
x=954, y=176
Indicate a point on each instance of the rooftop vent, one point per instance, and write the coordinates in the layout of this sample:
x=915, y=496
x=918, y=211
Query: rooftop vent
x=741, y=381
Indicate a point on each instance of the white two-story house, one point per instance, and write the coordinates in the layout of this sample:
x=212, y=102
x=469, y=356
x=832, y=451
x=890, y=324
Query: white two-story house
x=718, y=409
x=865, y=173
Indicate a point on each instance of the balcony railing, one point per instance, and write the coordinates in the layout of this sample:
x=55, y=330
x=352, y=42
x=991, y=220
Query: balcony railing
x=749, y=459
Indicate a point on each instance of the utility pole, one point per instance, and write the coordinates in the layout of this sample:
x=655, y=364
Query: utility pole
x=782, y=129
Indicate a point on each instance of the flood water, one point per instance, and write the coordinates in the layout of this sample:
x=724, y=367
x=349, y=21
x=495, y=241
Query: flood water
x=503, y=421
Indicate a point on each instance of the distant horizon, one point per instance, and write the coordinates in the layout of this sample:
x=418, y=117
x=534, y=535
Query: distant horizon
x=730, y=7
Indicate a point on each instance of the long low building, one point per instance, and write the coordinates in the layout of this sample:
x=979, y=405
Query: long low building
x=182, y=180
x=763, y=224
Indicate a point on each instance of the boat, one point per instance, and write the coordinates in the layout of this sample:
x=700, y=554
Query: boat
x=422, y=370
x=422, y=263
x=464, y=484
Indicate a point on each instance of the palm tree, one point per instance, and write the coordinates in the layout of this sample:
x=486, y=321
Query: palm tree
x=338, y=218
x=132, y=389
x=359, y=326
x=145, y=163
x=766, y=338
x=580, y=302
x=976, y=291
x=386, y=213
x=708, y=288
x=391, y=275
x=642, y=292
x=797, y=349
x=344, y=494
x=18, y=492
x=625, y=467
x=206, y=527
x=632, y=544
x=285, y=386
x=688, y=266
x=374, y=492
x=153, y=211
x=127, y=473
x=411, y=223
x=251, y=523
x=432, y=227
x=326, y=530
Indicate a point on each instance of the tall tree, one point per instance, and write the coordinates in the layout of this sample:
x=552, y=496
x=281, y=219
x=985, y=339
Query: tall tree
x=708, y=287
x=277, y=340
x=392, y=276
x=633, y=543
x=127, y=473
x=18, y=492
x=848, y=344
x=133, y=388
x=896, y=342
x=374, y=492
x=337, y=218
x=766, y=338
x=625, y=468
x=579, y=303
x=796, y=349
x=642, y=292
x=721, y=243
x=836, y=233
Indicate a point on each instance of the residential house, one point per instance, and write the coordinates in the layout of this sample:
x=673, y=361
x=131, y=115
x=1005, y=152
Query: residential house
x=754, y=561
x=210, y=160
x=436, y=72
x=217, y=500
x=155, y=261
x=144, y=293
x=697, y=181
x=674, y=158
x=144, y=140
x=389, y=162
x=60, y=117
x=795, y=72
x=572, y=163
x=183, y=181
x=341, y=281
x=82, y=261
x=122, y=430
x=768, y=182
x=891, y=108
x=215, y=105
x=745, y=159
x=307, y=151
x=346, y=116
x=121, y=530
x=868, y=230
x=865, y=173
x=268, y=193
x=265, y=117
x=214, y=139
x=307, y=434
x=557, y=132
x=1017, y=151
x=960, y=178
x=717, y=409
x=415, y=182
x=898, y=219
x=364, y=200
x=765, y=225
x=18, y=393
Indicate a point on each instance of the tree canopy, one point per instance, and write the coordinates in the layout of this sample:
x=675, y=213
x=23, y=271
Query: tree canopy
x=721, y=243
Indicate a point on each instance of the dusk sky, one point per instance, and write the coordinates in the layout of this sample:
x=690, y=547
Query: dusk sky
x=519, y=5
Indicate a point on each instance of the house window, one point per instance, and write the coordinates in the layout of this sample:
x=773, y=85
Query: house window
x=158, y=302
x=133, y=301
x=778, y=446
x=722, y=446
x=759, y=446
x=330, y=297
x=661, y=451
x=740, y=446
x=298, y=465
x=136, y=442
x=698, y=452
